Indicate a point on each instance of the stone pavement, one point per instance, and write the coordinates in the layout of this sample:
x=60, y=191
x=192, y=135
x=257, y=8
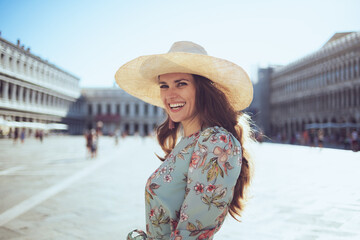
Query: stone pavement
x=52, y=191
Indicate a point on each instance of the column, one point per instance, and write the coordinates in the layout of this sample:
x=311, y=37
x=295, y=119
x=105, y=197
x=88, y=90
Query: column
x=141, y=110
x=132, y=109
x=27, y=95
x=113, y=108
x=5, y=91
x=38, y=102
x=13, y=93
x=103, y=108
x=122, y=112
x=48, y=100
x=21, y=92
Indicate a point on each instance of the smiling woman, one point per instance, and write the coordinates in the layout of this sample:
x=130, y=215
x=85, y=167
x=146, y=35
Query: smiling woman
x=206, y=174
x=177, y=91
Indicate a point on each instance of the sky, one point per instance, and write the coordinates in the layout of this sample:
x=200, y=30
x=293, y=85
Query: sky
x=92, y=39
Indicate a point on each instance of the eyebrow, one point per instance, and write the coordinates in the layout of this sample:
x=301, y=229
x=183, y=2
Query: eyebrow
x=176, y=81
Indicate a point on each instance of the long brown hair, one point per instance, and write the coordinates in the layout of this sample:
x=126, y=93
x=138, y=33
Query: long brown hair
x=214, y=109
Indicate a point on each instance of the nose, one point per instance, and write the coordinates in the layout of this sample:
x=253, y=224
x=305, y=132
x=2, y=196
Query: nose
x=170, y=94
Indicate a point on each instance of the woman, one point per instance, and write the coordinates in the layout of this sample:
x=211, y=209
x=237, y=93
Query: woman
x=205, y=173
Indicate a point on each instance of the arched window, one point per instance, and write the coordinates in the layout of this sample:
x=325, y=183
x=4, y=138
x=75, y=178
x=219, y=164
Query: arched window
x=127, y=109
x=118, y=109
x=108, y=109
x=90, y=111
x=10, y=62
x=2, y=59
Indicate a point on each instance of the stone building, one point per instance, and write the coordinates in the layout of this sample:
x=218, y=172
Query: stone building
x=320, y=91
x=34, y=94
x=114, y=109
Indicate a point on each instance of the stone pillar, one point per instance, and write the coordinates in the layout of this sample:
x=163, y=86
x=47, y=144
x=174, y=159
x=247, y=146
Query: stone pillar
x=48, y=100
x=5, y=91
x=103, y=108
x=113, y=108
x=27, y=95
x=45, y=97
x=39, y=94
x=141, y=110
x=122, y=111
x=21, y=92
x=13, y=93
x=132, y=109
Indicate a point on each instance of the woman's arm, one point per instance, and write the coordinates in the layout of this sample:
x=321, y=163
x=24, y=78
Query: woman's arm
x=213, y=171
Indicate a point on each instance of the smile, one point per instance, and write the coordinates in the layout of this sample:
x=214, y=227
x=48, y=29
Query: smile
x=176, y=106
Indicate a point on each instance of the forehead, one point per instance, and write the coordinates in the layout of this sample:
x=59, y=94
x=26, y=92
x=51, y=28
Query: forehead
x=175, y=76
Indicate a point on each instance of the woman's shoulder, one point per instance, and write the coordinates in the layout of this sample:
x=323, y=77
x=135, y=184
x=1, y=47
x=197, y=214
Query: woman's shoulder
x=215, y=130
x=216, y=133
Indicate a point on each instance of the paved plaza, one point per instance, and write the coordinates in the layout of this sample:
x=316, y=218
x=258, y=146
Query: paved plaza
x=52, y=190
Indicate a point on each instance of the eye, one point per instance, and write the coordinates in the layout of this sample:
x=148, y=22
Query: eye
x=180, y=84
x=163, y=86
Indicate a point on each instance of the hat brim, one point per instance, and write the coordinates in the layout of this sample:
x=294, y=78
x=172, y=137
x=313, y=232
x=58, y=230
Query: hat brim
x=139, y=77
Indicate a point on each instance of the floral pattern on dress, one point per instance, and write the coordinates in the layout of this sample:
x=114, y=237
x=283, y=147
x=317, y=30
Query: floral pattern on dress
x=188, y=196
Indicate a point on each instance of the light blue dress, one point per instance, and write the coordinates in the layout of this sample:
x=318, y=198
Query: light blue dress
x=188, y=196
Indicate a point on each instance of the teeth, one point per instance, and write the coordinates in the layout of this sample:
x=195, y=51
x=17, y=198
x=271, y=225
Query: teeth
x=174, y=105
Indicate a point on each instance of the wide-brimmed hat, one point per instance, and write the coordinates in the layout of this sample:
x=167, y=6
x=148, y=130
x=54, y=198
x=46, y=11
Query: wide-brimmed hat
x=139, y=77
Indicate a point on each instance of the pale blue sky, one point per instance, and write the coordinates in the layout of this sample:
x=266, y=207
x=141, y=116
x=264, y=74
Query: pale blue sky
x=91, y=39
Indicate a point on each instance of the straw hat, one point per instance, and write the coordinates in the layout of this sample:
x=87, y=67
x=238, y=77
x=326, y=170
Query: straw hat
x=139, y=77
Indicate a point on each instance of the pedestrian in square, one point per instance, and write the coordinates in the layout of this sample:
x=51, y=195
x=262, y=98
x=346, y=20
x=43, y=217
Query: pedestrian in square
x=207, y=168
x=354, y=141
x=22, y=135
x=16, y=135
x=94, y=143
x=88, y=139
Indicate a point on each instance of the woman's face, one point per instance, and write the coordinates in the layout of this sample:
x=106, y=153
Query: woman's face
x=177, y=91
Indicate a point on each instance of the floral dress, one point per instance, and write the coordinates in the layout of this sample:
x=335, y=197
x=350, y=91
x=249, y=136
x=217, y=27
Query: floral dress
x=188, y=196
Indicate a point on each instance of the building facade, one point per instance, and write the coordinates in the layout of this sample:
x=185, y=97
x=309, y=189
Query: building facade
x=113, y=109
x=321, y=90
x=34, y=94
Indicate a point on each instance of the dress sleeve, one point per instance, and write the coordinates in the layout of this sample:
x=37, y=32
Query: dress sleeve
x=213, y=171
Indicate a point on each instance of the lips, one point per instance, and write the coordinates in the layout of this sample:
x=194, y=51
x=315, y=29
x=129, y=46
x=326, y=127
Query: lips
x=174, y=107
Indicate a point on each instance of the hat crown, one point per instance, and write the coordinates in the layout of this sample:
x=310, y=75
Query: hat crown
x=187, y=47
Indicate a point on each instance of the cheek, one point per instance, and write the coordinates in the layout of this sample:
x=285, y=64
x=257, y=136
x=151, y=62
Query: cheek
x=162, y=97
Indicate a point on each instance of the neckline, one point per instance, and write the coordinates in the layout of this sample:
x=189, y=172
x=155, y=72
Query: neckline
x=192, y=135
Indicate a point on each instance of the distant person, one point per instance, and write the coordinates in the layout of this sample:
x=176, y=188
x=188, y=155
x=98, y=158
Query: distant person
x=16, y=135
x=320, y=138
x=305, y=137
x=354, y=141
x=117, y=135
x=41, y=135
x=205, y=172
x=94, y=143
x=312, y=138
x=22, y=135
x=88, y=138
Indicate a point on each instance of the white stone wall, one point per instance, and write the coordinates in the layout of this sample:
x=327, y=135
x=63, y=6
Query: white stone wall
x=135, y=116
x=32, y=89
x=321, y=87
